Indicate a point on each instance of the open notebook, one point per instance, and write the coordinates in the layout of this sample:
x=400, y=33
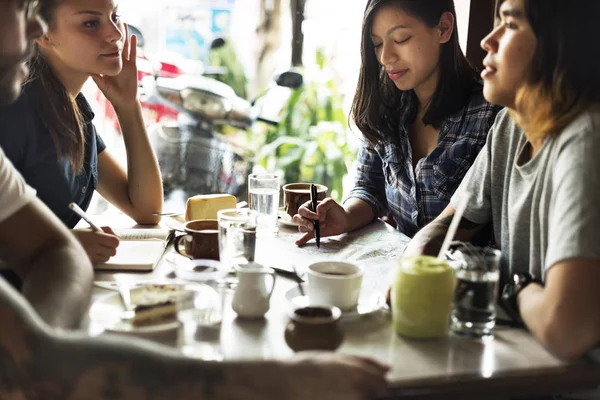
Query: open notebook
x=139, y=250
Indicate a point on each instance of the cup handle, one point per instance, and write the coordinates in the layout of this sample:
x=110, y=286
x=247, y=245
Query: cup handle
x=177, y=242
x=272, y=274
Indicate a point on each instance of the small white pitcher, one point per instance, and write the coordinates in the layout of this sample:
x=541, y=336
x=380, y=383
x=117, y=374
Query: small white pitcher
x=251, y=298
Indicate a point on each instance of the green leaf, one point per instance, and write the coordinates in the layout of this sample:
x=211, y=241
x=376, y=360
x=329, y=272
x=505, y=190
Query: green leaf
x=312, y=141
x=292, y=156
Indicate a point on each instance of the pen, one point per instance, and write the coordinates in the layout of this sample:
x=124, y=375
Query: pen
x=298, y=281
x=84, y=216
x=313, y=200
x=288, y=274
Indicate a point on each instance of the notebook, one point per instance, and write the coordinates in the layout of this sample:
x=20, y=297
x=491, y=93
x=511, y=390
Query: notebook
x=139, y=250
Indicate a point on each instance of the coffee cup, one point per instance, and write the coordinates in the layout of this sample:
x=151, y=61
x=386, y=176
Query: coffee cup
x=201, y=239
x=296, y=194
x=334, y=283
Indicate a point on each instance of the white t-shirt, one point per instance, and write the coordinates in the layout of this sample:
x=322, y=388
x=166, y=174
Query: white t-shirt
x=14, y=192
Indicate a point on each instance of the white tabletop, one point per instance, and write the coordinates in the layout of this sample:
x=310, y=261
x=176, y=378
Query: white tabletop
x=514, y=363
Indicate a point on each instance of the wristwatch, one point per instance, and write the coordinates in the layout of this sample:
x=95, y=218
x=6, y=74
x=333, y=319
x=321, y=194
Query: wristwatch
x=510, y=293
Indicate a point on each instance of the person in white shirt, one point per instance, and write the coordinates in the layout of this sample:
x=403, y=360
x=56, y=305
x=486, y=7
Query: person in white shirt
x=55, y=271
x=39, y=362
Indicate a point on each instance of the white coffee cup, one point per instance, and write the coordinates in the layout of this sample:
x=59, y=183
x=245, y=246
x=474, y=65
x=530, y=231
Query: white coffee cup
x=334, y=283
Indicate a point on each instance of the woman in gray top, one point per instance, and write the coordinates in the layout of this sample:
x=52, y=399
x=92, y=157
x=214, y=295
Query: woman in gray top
x=536, y=180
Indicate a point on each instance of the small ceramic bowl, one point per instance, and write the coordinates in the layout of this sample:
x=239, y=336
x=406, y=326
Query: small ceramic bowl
x=314, y=328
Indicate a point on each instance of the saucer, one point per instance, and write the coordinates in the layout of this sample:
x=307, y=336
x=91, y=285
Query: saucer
x=200, y=270
x=105, y=313
x=364, y=307
x=284, y=218
x=176, y=223
x=175, y=259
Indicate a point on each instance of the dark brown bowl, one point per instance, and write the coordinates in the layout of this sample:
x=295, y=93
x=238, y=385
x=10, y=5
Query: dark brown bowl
x=314, y=328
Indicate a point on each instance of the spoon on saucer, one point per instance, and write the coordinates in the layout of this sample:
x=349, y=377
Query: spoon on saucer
x=167, y=214
x=125, y=293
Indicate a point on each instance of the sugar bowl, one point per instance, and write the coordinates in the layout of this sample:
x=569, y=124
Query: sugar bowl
x=314, y=328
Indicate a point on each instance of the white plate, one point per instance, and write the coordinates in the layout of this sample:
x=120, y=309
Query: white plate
x=176, y=223
x=198, y=270
x=105, y=312
x=365, y=306
x=284, y=218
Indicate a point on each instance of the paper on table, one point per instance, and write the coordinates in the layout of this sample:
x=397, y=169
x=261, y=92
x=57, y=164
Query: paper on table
x=135, y=255
x=373, y=248
x=368, y=243
x=139, y=249
x=143, y=234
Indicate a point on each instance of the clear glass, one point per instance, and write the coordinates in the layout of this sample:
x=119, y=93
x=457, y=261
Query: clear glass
x=237, y=236
x=263, y=197
x=477, y=272
x=201, y=320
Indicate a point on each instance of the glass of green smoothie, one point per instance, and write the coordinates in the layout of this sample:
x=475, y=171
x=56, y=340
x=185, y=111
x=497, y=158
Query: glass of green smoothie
x=422, y=295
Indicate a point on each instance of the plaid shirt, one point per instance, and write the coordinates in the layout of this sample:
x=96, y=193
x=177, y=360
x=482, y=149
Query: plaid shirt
x=387, y=181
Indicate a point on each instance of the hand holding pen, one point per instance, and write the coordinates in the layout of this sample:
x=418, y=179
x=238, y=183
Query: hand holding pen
x=313, y=200
x=77, y=210
x=333, y=220
x=100, y=243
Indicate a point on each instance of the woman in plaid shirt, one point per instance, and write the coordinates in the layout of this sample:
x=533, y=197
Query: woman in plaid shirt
x=420, y=107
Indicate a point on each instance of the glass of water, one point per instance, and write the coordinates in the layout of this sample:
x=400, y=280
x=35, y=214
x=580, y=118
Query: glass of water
x=263, y=195
x=477, y=271
x=237, y=236
x=201, y=320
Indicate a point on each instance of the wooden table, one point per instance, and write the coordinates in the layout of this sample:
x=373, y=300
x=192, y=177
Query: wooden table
x=513, y=364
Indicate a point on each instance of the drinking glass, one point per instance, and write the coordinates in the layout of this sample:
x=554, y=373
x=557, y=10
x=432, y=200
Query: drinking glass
x=237, y=236
x=263, y=195
x=477, y=272
x=201, y=319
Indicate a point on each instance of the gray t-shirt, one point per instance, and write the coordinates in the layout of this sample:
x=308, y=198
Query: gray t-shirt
x=543, y=210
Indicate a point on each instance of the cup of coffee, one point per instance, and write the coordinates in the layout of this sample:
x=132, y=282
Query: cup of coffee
x=333, y=283
x=201, y=239
x=296, y=194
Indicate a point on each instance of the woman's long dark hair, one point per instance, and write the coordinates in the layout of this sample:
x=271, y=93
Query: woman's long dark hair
x=375, y=108
x=564, y=78
x=59, y=110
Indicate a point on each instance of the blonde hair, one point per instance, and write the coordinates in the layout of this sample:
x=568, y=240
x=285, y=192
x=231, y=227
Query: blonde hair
x=543, y=111
x=564, y=76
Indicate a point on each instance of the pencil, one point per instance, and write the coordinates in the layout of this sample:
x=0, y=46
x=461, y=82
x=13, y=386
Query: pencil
x=84, y=216
x=313, y=199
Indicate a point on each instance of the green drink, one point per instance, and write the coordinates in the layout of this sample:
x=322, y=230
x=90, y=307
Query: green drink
x=422, y=297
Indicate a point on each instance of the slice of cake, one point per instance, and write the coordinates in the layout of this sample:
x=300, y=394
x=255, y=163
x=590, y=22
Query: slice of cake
x=155, y=303
x=205, y=206
x=149, y=314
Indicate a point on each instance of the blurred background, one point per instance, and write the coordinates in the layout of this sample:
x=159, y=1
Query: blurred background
x=234, y=86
